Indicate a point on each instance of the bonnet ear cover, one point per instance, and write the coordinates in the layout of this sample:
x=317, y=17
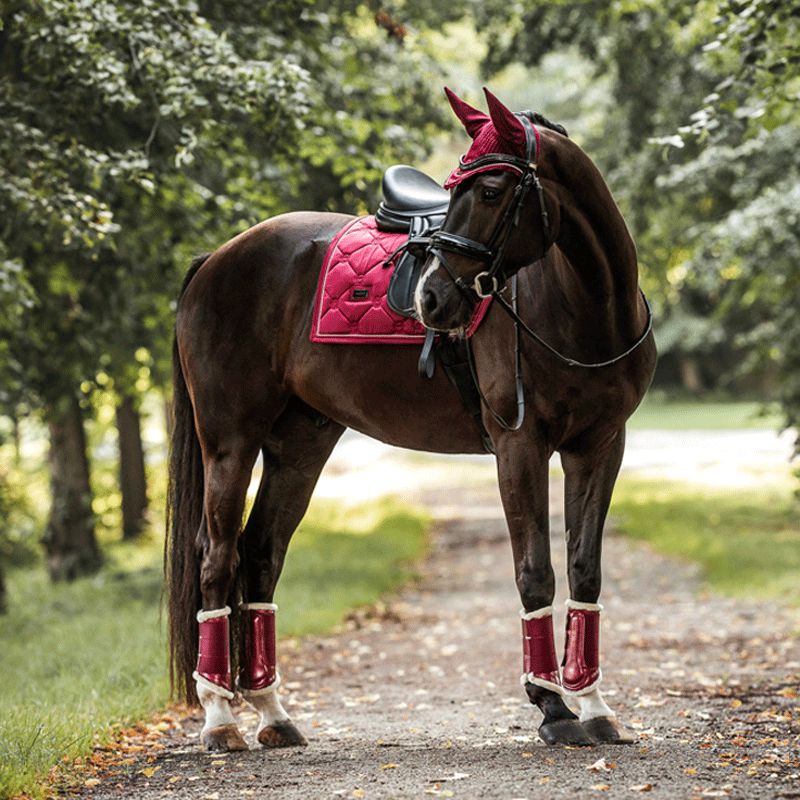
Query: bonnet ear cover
x=471, y=118
x=507, y=124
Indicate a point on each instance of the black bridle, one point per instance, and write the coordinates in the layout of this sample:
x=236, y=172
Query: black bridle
x=488, y=282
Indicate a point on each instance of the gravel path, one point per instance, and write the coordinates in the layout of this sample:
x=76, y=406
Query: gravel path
x=420, y=697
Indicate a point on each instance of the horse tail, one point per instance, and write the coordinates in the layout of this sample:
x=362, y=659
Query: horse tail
x=184, y=517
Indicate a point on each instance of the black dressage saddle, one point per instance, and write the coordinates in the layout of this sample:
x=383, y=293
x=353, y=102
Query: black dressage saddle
x=410, y=193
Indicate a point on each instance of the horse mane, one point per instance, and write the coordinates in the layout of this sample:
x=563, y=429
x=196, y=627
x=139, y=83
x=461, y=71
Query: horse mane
x=539, y=119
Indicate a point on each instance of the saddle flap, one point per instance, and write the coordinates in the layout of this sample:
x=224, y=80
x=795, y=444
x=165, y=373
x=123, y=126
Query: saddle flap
x=403, y=284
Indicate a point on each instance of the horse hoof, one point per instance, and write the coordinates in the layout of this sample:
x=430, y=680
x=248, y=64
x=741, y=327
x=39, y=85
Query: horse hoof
x=223, y=739
x=607, y=730
x=281, y=734
x=565, y=731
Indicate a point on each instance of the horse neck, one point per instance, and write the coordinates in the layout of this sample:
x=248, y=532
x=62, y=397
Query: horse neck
x=599, y=262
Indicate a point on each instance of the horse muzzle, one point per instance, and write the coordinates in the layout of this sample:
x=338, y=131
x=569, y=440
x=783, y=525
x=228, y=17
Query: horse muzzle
x=438, y=302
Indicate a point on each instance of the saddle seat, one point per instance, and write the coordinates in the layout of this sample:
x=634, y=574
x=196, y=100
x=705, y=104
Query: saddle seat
x=410, y=193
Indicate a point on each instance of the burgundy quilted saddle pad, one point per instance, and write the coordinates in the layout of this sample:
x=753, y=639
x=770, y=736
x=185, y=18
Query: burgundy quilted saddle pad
x=351, y=306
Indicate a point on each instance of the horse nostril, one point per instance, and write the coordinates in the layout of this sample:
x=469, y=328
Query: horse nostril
x=429, y=301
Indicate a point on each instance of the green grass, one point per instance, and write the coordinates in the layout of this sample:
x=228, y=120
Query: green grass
x=658, y=414
x=747, y=541
x=81, y=658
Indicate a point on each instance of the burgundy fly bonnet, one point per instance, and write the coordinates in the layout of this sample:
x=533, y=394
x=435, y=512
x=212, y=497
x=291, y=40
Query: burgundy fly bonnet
x=499, y=133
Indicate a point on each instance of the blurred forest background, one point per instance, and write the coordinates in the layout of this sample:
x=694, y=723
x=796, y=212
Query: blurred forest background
x=135, y=135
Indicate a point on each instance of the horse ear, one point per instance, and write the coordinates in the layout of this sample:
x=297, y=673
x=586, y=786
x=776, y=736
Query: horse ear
x=472, y=119
x=506, y=122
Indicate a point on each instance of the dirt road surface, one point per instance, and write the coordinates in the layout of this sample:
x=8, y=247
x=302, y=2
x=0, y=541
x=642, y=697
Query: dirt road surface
x=420, y=697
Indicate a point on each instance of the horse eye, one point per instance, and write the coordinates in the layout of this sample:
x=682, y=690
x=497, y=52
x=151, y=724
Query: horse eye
x=490, y=194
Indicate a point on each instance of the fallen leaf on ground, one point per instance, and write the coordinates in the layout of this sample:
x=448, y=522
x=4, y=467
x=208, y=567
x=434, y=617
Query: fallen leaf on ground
x=599, y=766
x=600, y=787
x=388, y=766
x=91, y=782
x=148, y=772
x=642, y=787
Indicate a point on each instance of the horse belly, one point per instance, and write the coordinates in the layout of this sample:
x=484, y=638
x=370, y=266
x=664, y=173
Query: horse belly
x=376, y=390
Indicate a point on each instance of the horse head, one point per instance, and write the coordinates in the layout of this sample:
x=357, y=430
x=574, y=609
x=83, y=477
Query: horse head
x=497, y=221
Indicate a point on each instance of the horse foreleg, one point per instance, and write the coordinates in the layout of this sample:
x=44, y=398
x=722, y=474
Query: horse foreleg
x=523, y=475
x=227, y=474
x=299, y=446
x=589, y=481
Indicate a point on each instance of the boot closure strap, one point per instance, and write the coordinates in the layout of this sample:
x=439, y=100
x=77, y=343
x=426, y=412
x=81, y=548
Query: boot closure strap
x=259, y=672
x=581, y=665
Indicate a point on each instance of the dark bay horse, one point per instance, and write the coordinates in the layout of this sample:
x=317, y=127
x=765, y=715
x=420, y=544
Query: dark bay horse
x=527, y=208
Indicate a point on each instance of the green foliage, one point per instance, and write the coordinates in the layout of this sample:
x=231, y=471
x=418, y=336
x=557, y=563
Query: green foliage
x=61, y=698
x=134, y=135
x=747, y=541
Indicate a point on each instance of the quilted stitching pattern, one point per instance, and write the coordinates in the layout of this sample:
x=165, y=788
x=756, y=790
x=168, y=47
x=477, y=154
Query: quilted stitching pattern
x=351, y=297
x=351, y=306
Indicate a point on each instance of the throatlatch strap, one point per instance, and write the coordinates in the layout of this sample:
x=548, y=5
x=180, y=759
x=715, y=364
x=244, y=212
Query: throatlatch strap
x=259, y=671
x=539, y=662
x=581, y=665
x=213, y=656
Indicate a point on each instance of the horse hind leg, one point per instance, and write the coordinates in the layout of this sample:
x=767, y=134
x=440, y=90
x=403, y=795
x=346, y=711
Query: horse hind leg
x=298, y=448
x=590, y=474
x=227, y=467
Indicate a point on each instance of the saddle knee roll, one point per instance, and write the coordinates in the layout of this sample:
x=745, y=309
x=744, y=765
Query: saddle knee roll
x=539, y=662
x=259, y=671
x=580, y=672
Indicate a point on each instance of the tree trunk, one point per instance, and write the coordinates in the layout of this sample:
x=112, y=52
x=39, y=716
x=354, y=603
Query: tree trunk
x=17, y=438
x=3, y=597
x=132, y=481
x=70, y=543
x=691, y=377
